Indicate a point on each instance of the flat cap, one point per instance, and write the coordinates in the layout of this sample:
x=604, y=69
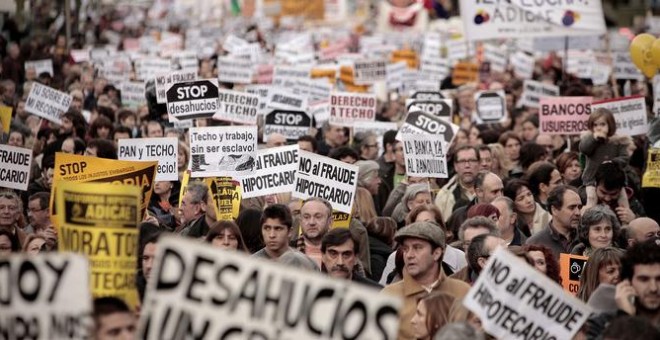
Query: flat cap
x=423, y=230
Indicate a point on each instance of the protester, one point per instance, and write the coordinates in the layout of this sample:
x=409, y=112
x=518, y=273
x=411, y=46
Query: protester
x=532, y=218
x=487, y=187
x=640, y=273
x=113, y=319
x=226, y=235
x=193, y=211
x=340, y=249
x=431, y=315
x=459, y=191
x=381, y=232
x=506, y=222
x=642, y=229
x=603, y=266
x=543, y=260
x=478, y=252
x=599, y=228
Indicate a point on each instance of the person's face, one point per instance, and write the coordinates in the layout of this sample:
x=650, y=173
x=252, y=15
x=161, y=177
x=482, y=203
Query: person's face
x=466, y=100
x=276, y=140
x=608, y=197
x=600, y=126
x=539, y=261
x=15, y=139
x=645, y=231
x=461, y=138
x=471, y=233
x=190, y=210
x=485, y=160
x=398, y=155
x=68, y=146
x=573, y=171
x=162, y=187
x=5, y=245
x=555, y=180
x=38, y=217
x=128, y=122
x=473, y=138
x=305, y=145
x=335, y=135
x=421, y=198
x=491, y=189
x=600, y=234
x=529, y=131
x=466, y=165
x=340, y=260
x=525, y=201
x=103, y=132
x=490, y=245
x=276, y=236
x=418, y=322
x=226, y=239
x=569, y=214
x=34, y=247
x=67, y=126
x=154, y=130
x=48, y=176
x=8, y=211
x=20, y=110
x=425, y=216
x=505, y=221
x=148, y=259
x=512, y=149
x=370, y=149
x=646, y=281
x=609, y=273
x=315, y=220
x=419, y=257
x=181, y=159
x=116, y=326
x=374, y=183
x=91, y=151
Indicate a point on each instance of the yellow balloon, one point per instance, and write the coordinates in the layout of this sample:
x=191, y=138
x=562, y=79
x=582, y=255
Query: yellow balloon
x=640, y=53
x=655, y=52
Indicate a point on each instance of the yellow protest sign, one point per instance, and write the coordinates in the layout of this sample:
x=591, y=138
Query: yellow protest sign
x=324, y=73
x=340, y=219
x=76, y=168
x=406, y=55
x=100, y=220
x=309, y=9
x=226, y=195
x=465, y=72
x=651, y=178
x=5, y=118
x=570, y=269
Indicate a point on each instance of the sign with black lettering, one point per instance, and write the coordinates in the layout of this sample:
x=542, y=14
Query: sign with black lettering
x=425, y=155
x=291, y=124
x=523, y=64
x=369, y=71
x=347, y=109
x=533, y=91
x=651, y=177
x=234, y=70
x=274, y=172
x=164, y=81
x=427, y=95
x=437, y=107
x=237, y=107
x=193, y=99
x=198, y=291
x=514, y=302
x=227, y=195
x=16, y=165
x=491, y=106
x=222, y=150
x=45, y=296
x=570, y=270
x=164, y=150
x=47, y=102
x=99, y=220
x=320, y=176
x=629, y=114
x=40, y=66
x=284, y=99
x=132, y=94
x=419, y=122
x=564, y=115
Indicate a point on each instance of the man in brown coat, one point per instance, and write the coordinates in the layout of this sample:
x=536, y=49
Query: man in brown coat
x=423, y=245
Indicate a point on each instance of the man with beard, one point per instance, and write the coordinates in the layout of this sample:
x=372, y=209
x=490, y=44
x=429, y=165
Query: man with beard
x=315, y=221
x=638, y=293
x=340, y=249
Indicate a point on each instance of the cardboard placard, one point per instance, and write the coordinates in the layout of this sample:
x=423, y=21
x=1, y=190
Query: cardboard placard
x=320, y=176
x=281, y=99
x=419, y=122
x=564, y=115
x=222, y=150
x=347, y=109
x=47, y=102
x=490, y=106
x=533, y=91
x=234, y=70
x=290, y=124
x=497, y=56
x=395, y=75
x=237, y=107
x=523, y=65
x=274, y=172
x=16, y=165
x=194, y=281
x=41, y=66
x=513, y=301
x=284, y=75
x=164, y=81
x=425, y=155
x=570, y=270
x=163, y=149
x=193, y=99
x=629, y=114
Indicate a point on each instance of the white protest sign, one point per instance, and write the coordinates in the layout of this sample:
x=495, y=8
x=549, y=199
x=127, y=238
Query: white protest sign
x=333, y=180
x=600, y=73
x=237, y=107
x=423, y=123
x=435, y=69
x=369, y=71
x=274, y=172
x=285, y=75
x=514, y=302
x=520, y=18
x=425, y=155
x=234, y=70
x=497, y=56
x=395, y=75
x=165, y=80
x=45, y=296
x=80, y=56
x=656, y=96
x=523, y=65
x=225, y=295
x=222, y=150
x=162, y=149
x=437, y=107
x=40, y=66
x=290, y=124
x=629, y=114
x=321, y=112
x=624, y=67
x=193, y=99
x=47, y=102
x=148, y=68
x=549, y=44
x=132, y=94
x=490, y=106
x=533, y=91
x=347, y=108
x=16, y=165
x=283, y=99
x=564, y=115
x=184, y=61
x=262, y=92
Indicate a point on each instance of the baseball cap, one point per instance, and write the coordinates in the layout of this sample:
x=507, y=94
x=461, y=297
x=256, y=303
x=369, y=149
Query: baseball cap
x=423, y=230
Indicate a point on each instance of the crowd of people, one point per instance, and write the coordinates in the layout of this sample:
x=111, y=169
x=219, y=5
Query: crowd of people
x=425, y=240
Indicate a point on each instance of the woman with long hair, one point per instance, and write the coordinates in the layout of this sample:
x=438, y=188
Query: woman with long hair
x=226, y=235
x=603, y=266
x=501, y=164
x=544, y=261
x=431, y=315
x=531, y=216
x=364, y=209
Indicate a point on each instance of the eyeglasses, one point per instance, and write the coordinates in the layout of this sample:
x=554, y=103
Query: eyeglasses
x=465, y=162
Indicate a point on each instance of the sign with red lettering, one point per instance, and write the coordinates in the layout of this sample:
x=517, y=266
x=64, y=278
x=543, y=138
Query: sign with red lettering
x=348, y=108
x=564, y=115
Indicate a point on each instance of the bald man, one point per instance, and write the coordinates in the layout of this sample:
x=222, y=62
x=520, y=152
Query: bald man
x=275, y=139
x=642, y=229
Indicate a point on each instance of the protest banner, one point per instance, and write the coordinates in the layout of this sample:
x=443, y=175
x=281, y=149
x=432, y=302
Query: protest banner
x=570, y=270
x=497, y=56
x=346, y=108
x=132, y=94
x=237, y=107
x=427, y=95
x=378, y=128
x=523, y=65
x=321, y=112
x=148, y=68
x=45, y=296
x=193, y=99
x=564, y=115
x=324, y=177
x=164, y=81
x=419, y=122
x=465, y=72
x=262, y=92
x=435, y=68
x=162, y=149
x=651, y=177
x=16, y=165
x=437, y=107
x=490, y=106
x=222, y=150
x=518, y=19
x=514, y=302
x=405, y=55
x=47, y=102
x=533, y=91
x=629, y=114
x=290, y=124
x=227, y=195
x=369, y=71
x=274, y=172
x=76, y=168
x=395, y=75
x=5, y=118
x=184, y=61
x=100, y=220
x=283, y=99
x=236, y=296
x=234, y=70
x=425, y=155
x=40, y=66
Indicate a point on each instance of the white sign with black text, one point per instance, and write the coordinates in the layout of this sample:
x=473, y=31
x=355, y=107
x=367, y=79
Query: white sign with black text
x=161, y=149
